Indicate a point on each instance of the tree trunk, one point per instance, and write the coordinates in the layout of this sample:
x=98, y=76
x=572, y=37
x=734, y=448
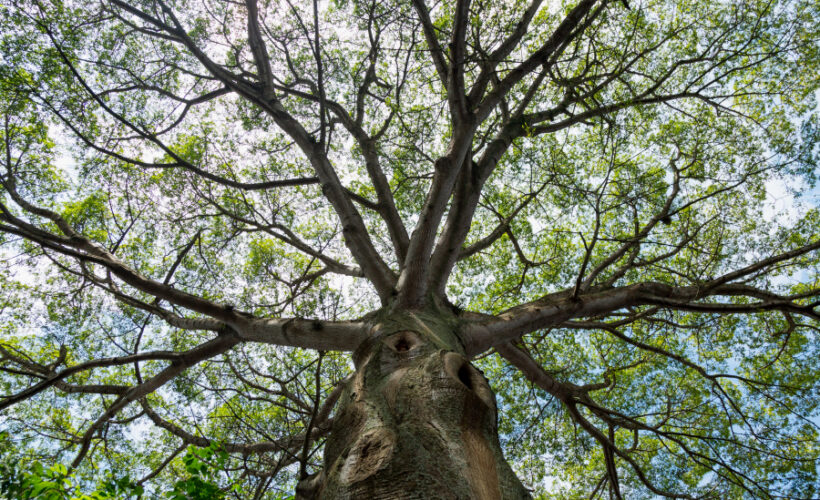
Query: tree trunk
x=417, y=421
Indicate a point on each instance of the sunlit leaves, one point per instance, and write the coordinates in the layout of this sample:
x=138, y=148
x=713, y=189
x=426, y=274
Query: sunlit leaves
x=653, y=149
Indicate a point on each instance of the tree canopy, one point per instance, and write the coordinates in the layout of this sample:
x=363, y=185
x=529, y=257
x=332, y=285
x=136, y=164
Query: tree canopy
x=204, y=202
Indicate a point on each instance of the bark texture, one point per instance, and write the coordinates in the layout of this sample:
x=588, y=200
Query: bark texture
x=417, y=421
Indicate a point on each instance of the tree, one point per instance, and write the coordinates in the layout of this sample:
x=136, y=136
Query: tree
x=208, y=209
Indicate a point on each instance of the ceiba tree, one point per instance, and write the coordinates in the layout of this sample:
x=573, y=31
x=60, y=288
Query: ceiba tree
x=325, y=235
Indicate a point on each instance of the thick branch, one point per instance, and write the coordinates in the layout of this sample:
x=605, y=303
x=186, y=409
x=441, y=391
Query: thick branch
x=559, y=38
x=436, y=53
x=293, y=332
x=311, y=334
x=356, y=238
x=554, y=309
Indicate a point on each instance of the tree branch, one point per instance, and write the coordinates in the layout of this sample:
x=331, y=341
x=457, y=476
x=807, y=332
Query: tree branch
x=554, y=309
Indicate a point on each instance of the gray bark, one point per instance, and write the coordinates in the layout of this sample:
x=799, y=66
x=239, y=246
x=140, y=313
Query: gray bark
x=416, y=421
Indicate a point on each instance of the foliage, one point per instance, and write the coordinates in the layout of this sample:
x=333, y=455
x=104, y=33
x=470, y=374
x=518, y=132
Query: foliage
x=57, y=483
x=204, y=203
x=201, y=485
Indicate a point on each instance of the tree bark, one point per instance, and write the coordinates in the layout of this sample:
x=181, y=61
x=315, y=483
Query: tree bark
x=416, y=421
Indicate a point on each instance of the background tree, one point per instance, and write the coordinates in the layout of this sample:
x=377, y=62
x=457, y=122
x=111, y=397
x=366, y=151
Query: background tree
x=206, y=206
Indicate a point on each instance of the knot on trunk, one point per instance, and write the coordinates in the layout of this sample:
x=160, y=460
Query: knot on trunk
x=371, y=453
x=417, y=420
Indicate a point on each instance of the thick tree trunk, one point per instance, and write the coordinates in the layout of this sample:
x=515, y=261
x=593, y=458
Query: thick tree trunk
x=417, y=421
